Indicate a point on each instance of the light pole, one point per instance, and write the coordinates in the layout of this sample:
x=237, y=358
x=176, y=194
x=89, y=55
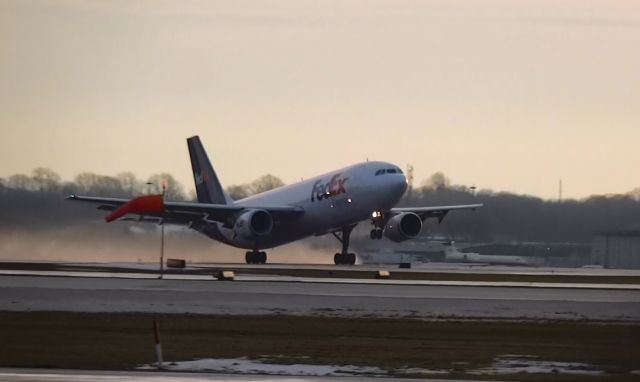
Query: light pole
x=164, y=189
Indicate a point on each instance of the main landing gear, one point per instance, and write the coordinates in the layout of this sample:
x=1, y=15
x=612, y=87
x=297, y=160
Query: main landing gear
x=344, y=258
x=255, y=257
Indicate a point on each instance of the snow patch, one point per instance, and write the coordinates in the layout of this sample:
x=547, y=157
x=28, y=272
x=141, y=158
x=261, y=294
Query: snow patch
x=417, y=370
x=512, y=364
x=247, y=366
x=503, y=365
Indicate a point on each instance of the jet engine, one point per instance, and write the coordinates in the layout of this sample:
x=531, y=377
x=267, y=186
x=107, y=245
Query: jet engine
x=403, y=226
x=253, y=224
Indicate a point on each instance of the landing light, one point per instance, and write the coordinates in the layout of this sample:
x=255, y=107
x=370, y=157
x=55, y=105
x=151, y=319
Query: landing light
x=349, y=200
x=376, y=214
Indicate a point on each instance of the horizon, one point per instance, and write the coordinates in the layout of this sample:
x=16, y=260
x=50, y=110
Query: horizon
x=189, y=189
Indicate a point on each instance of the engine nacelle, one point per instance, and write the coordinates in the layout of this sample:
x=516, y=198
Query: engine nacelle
x=253, y=224
x=403, y=226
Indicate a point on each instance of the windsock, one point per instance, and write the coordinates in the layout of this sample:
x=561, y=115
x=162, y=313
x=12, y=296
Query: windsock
x=142, y=205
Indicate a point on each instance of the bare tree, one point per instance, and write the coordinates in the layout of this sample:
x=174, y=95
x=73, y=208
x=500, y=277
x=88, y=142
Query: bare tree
x=237, y=192
x=95, y=184
x=21, y=182
x=173, y=191
x=45, y=179
x=437, y=181
x=129, y=183
x=265, y=183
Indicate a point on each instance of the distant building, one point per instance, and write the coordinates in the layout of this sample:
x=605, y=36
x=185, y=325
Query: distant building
x=616, y=249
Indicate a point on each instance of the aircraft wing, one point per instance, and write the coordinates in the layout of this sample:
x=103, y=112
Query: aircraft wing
x=152, y=206
x=438, y=212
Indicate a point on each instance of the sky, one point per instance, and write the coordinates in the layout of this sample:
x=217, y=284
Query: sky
x=509, y=95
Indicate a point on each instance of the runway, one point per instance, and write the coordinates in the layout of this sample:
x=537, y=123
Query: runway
x=80, y=294
x=57, y=375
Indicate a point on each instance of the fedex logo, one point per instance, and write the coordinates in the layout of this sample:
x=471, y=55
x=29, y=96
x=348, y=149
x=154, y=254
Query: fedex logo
x=334, y=187
x=199, y=178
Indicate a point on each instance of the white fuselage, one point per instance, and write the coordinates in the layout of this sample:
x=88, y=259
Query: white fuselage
x=331, y=201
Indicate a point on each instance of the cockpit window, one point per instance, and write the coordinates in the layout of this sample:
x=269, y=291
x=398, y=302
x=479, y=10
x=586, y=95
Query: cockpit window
x=383, y=171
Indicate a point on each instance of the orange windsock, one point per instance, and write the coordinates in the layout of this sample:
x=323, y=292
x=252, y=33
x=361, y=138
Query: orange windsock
x=142, y=205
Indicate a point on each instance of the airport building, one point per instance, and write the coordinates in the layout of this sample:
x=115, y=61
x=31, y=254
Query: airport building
x=616, y=249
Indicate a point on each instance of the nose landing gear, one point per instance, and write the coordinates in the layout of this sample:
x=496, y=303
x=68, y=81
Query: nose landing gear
x=377, y=221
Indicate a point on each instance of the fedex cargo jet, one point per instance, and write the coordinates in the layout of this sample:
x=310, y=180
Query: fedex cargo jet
x=331, y=203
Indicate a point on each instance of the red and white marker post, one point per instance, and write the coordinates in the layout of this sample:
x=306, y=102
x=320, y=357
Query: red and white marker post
x=156, y=333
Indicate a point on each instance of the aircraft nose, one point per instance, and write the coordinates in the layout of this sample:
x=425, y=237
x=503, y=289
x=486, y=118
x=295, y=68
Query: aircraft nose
x=401, y=184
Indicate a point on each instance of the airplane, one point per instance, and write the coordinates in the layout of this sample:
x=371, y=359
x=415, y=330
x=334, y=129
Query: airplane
x=333, y=203
x=453, y=255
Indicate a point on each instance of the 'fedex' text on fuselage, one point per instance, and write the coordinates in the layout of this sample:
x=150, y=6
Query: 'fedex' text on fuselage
x=334, y=187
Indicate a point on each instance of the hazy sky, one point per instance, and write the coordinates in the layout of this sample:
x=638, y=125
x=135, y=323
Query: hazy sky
x=508, y=95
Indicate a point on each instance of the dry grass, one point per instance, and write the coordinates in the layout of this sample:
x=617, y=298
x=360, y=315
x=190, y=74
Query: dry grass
x=122, y=341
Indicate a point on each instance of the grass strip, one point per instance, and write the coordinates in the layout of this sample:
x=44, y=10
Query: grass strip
x=123, y=341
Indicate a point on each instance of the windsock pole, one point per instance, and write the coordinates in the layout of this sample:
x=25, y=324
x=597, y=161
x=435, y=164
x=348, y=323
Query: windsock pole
x=156, y=333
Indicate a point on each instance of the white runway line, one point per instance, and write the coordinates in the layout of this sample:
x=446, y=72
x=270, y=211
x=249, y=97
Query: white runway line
x=320, y=280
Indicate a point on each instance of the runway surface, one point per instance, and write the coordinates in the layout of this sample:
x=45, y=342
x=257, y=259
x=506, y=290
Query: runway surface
x=324, y=280
x=56, y=375
x=29, y=293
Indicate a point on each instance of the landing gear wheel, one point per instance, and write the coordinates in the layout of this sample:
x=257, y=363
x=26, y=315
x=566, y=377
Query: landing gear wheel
x=255, y=257
x=344, y=258
x=376, y=234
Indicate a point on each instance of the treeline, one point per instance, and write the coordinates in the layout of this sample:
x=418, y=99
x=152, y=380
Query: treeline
x=37, y=200
x=521, y=218
x=123, y=185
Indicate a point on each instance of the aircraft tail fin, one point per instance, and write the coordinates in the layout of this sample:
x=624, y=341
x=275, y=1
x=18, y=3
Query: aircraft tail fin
x=208, y=187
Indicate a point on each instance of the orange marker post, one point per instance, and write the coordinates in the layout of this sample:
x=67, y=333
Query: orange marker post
x=156, y=333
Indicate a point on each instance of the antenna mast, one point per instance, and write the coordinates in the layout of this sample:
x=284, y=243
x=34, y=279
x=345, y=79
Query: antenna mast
x=560, y=191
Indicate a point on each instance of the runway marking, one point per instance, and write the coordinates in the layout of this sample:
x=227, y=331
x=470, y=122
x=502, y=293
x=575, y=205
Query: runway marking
x=291, y=279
